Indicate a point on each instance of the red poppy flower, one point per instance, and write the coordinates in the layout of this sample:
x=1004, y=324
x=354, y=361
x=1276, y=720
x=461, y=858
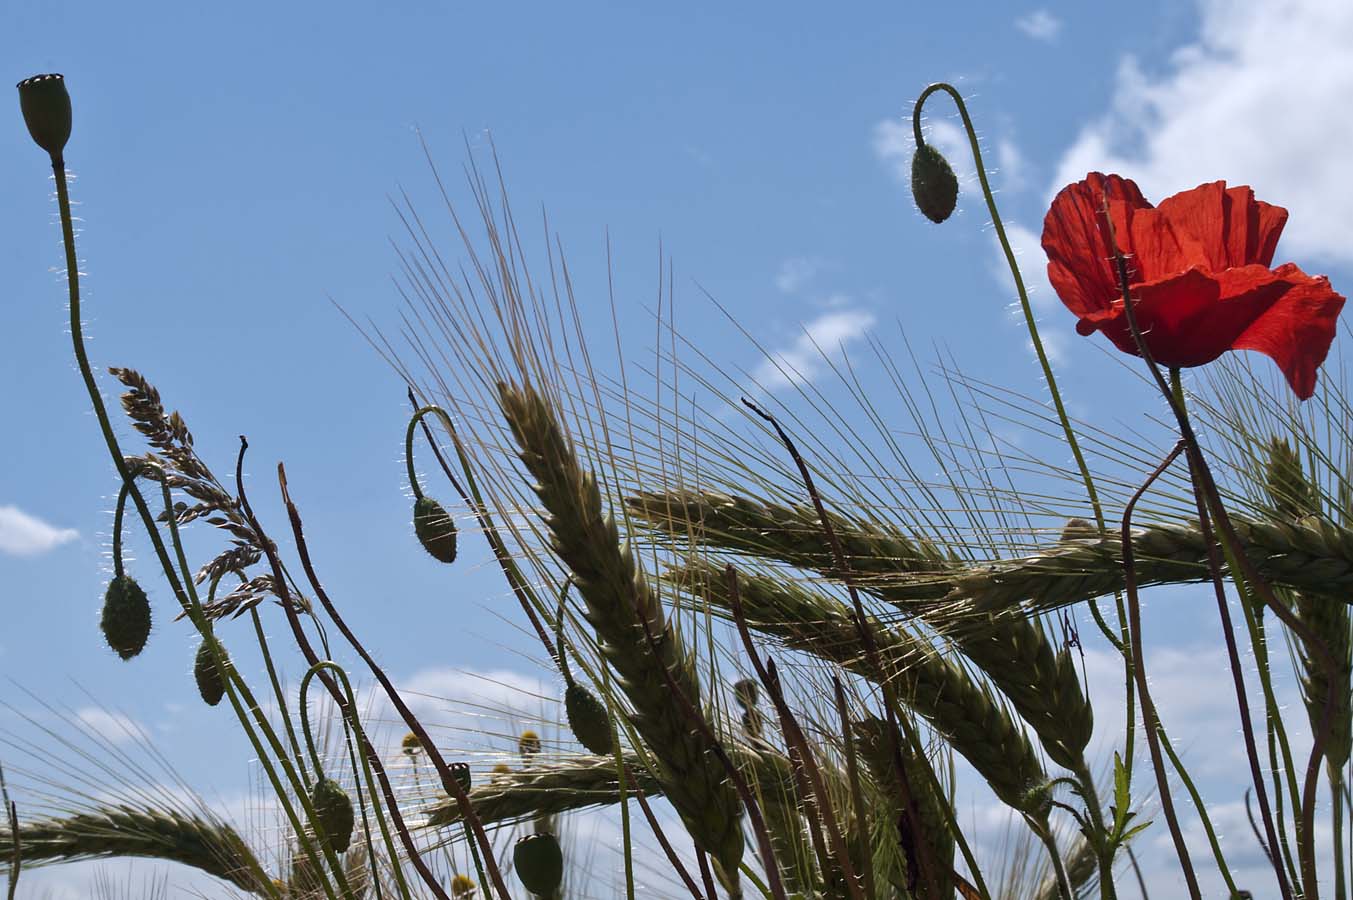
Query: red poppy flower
x=1199, y=273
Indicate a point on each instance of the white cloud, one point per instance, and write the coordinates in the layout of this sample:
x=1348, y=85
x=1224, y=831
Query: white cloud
x=795, y=273
x=1257, y=99
x=803, y=359
x=25, y=535
x=112, y=727
x=1040, y=25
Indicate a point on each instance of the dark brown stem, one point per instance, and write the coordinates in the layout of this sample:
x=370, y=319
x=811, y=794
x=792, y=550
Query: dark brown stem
x=926, y=862
x=856, y=790
x=1150, y=720
x=294, y=621
x=702, y=860
x=12, y=815
x=500, y=553
x=662, y=837
x=1203, y=475
x=450, y=784
x=740, y=785
x=794, y=737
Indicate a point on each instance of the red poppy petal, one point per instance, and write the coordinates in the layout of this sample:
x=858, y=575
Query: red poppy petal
x=1253, y=229
x=1077, y=246
x=1186, y=230
x=1295, y=331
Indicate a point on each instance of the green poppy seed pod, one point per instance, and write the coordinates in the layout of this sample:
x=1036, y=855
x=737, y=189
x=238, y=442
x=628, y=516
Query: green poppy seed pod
x=462, y=886
x=461, y=772
x=933, y=183
x=210, y=683
x=1288, y=489
x=588, y=719
x=539, y=863
x=46, y=111
x=126, y=616
x=436, y=530
x=333, y=813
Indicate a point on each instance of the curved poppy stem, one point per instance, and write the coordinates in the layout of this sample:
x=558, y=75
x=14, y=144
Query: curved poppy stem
x=1091, y=492
x=1205, y=487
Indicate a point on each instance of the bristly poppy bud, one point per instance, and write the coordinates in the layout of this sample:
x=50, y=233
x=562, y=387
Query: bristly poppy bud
x=210, y=681
x=539, y=863
x=933, y=183
x=436, y=529
x=126, y=616
x=461, y=772
x=588, y=719
x=333, y=813
x=410, y=744
x=1292, y=495
x=46, y=111
x=462, y=886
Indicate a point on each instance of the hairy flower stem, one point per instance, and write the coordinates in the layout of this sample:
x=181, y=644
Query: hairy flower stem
x=1206, y=487
x=925, y=860
x=1150, y=720
x=672, y=858
x=449, y=782
x=859, y=812
x=298, y=633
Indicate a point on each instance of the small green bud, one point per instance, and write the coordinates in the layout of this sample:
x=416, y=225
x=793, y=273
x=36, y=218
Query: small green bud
x=436, y=530
x=46, y=111
x=410, y=744
x=462, y=886
x=126, y=616
x=933, y=183
x=333, y=813
x=588, y=719
x=539, y=863
x=528, y=745
x=210, y=683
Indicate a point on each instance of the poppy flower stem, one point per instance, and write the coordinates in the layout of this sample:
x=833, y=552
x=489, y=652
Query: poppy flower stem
x=1209, y=500
x=1031, y=323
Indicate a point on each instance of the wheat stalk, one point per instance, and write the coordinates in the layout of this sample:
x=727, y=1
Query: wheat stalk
x=118, y=831
x=623, y=609
x=958, y=707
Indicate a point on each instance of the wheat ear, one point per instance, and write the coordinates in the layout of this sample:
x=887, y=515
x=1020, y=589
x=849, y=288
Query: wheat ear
x=118, y=831
x=959, y=708
x=621, y=606
x=1039, y=681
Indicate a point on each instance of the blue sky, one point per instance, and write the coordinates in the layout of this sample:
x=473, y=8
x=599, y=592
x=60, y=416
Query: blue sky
x=234, y=167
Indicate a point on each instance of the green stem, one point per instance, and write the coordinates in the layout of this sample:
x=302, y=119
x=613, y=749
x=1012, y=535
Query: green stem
x=1104, y=850
x=117, y=530
x=1119, y=641
x=278, y=694
x=1337, y=831
x=1198, y=804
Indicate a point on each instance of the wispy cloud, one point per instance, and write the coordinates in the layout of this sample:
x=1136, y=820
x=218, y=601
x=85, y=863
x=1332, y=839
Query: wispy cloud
x=806, y=357
x=1041, y=25
x=115, y=728
x=1256, y=100
x=795, y=273
x=24, y=535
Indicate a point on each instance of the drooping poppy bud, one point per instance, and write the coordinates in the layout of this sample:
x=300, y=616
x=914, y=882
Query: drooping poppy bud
x=126, y=616
x=46, y=111
x=436, y=529
x=333, y=813
x=210, y=681
x=934, y=185
x=588, y=719
x=539, y=863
